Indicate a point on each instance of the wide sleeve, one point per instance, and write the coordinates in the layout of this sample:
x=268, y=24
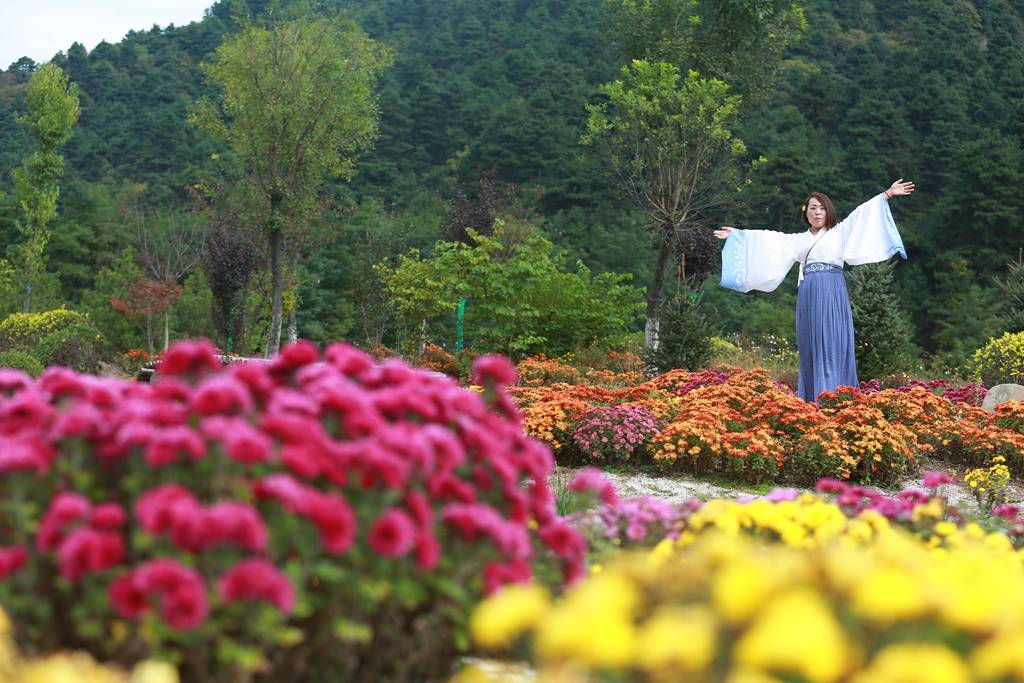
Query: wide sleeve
x=869, y=233
x=758, y=259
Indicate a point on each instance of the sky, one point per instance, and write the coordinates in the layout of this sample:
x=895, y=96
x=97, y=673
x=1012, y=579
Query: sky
x=41, y=28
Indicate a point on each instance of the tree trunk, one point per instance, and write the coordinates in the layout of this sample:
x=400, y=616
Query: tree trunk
x=293, y=326
x=149, y=335
x=654, y=292
x=276, y=281
x=167, y=328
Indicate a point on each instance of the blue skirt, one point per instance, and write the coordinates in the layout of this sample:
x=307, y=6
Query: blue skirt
x=824, y=332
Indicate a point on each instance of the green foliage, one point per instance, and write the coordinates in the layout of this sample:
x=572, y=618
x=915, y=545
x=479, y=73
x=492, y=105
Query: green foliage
x=963, y=314
x=21, y=359
x=1000, y=360
x=28, y=329
x=670, y=143
x=1011, y=287
x=738, y=41
x=190, y=316
x=112, y=280
x=936, y=87
x=52, y=111
x=520, y=298
x=76, y=346
x=298, y=107
x=684, y=334
x=882, y=330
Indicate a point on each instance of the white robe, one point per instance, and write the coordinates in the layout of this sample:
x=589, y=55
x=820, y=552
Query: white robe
x=760, y=259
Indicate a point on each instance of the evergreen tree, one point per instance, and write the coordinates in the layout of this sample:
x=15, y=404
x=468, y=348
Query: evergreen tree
x=882, y=330
x=685, y=337
x=1012, y=287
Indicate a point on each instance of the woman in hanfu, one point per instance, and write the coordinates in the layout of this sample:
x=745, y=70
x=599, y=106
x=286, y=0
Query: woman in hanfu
x=760, y=259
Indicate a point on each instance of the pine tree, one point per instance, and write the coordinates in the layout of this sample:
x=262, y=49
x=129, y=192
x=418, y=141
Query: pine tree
x=1012, y=287
x=883, y=332
x=684, y=338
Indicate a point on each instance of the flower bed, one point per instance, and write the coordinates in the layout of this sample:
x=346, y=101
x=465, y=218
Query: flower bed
x=312, y=518
x=743, y=424
x=794, y=588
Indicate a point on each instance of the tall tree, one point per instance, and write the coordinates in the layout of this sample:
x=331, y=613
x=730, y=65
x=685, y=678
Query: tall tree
x=298, y=107
x=670, y=143
x=52, y=111
x=670, y=139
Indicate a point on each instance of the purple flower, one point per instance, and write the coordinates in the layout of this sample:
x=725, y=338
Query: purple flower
x=778, y=495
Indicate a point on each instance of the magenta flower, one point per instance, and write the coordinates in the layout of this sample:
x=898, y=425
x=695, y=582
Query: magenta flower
x=933, y=480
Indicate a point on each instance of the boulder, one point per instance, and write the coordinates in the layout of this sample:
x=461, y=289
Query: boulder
x=1001, y=393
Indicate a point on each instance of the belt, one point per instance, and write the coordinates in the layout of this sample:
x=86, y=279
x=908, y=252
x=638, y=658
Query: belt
x=820, y=267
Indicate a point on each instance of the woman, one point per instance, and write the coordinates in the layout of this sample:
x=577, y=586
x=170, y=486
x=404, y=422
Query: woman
x=760, y=259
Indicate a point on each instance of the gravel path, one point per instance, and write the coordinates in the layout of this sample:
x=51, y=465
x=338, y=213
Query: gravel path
x=679, y=488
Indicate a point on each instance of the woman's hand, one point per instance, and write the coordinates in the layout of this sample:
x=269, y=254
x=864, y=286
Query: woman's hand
x=723, y=232
x=899, y=188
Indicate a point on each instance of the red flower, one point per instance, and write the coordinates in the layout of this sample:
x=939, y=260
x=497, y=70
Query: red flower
x=86, y=550
x=831, y=486
x=127, y=596
x=335, y=521
x=25, y=411
x=563, y=540
x=393, y=534
x=256, y=579
x=221, y=395
x=189, y=357
x=158, y=508
x=348, y=359
x=57, y=381
x=166, y=444
x=420, y=508
x=593, y=480
x=492, y=369
x=428, y=551
x=12, y=381
x=12, y=559
x=80, y=420
x=293, y=356
x=935, y=479
x=497, y=574
x=181, y=590
x=65, y=509
x=107, y=517
x=27, y=452
x=241, y=441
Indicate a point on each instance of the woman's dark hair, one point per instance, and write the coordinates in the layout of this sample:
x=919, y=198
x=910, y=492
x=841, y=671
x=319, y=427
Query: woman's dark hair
x=831, y=219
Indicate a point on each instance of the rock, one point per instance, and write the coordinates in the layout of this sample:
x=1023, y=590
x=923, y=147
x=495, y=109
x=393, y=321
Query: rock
x=1001, y=393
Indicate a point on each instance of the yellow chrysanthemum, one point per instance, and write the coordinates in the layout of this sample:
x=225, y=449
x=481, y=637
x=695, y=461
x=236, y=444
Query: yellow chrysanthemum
x=797, y=633
x=915, y=663
x=497, y=622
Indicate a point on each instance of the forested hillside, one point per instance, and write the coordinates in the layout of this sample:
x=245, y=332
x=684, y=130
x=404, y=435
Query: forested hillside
x=931, y=90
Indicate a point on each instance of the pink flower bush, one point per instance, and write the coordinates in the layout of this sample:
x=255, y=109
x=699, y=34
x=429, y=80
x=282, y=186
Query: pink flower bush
x=614, y=431
x=214, y=492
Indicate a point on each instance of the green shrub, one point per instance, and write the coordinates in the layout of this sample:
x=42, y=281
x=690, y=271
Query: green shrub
x=1000, y=360
x=28, y=329
x=883, y=339
x=21, y=359
x=684, y=335
x=75, y=347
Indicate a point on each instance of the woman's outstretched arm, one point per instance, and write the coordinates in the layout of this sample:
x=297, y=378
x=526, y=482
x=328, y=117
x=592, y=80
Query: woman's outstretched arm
x=899, y=188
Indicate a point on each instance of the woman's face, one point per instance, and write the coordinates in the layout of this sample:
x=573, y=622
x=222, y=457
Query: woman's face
x=815, y=214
